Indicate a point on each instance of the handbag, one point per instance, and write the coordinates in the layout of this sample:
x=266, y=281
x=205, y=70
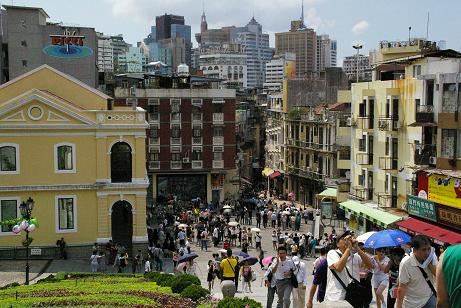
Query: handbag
x=354, y=290
x=293, y=278
x=428, y=281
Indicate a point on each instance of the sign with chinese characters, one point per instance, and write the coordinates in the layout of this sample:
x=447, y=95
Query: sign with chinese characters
x=449, y=216
x=421, y=208
x=68, y=45
x=445, y=190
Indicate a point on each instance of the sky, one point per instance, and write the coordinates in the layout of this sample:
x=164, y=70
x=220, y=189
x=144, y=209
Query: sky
x=348, y=21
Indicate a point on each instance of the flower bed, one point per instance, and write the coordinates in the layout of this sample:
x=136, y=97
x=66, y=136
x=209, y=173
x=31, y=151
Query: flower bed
x=94, y=291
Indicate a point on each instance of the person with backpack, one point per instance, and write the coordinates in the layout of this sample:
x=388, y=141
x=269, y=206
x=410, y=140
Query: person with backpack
x=246, y=274
x=269, y=282
x=320, y=278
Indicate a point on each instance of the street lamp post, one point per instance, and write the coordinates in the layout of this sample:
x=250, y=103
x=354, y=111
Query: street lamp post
x=358, y=47
x=26, y=208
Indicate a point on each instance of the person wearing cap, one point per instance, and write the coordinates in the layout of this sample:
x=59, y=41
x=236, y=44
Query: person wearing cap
x=299, y=293
x=282, y=270
x=343, y=260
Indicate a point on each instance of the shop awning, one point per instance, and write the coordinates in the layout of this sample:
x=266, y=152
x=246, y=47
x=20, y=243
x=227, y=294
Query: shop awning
x=377, y=216
x=329, y=192
x=438, y=234
x=274, y=175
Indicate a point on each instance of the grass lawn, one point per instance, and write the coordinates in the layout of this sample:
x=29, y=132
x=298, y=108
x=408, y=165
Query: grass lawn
x=96, y=291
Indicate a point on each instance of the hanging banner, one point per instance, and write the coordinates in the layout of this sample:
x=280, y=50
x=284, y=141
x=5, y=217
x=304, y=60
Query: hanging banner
x=445, y=190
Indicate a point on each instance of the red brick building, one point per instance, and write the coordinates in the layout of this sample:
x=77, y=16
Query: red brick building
x=191, y=147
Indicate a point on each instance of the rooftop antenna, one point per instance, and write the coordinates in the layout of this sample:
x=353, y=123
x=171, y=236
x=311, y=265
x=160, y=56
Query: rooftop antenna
x=409, y=33
x=427, y=27
x=302, y=13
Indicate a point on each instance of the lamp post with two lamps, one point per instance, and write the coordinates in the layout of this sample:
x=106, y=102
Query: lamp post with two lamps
x=357, y=47
x=28, y=224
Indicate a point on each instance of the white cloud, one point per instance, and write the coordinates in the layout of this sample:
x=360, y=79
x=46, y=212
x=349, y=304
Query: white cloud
x=360, y=27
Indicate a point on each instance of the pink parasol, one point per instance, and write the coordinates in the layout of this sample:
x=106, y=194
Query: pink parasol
x=267, y=260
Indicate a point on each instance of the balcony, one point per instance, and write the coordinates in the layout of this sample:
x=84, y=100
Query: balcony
x=388, y=163
x=218, y=118
x=197, y=164
x=425, y=154
x=175, y=141
x=218, y=140
x=153, y=165
x=154, y=141
x=364, y=123
x=364, y=159
x=384, y=199
x=388, y=124
x=197, y=141
x=308, y=174
x=218, y=164
x=424, y=114
x=175, y=164
x=154, y=117
x=361, y=193
x=197, y=118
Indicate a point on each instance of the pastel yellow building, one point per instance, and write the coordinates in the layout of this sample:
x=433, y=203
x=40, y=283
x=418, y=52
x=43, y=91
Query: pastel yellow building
x=81, y=160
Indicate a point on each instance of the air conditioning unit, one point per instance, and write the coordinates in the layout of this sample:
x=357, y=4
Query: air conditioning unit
x=432, y=160
x=185, y=160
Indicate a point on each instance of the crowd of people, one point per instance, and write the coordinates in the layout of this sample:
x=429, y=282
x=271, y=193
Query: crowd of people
x=344, y=274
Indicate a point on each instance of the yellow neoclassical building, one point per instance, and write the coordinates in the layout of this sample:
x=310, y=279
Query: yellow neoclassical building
x=81, y=160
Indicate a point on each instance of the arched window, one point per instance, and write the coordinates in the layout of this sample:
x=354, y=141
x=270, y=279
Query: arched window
x=216, y=68
x=120, y=163
x=9, y=158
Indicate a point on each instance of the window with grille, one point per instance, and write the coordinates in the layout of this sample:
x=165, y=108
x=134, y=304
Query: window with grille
x=175, y=156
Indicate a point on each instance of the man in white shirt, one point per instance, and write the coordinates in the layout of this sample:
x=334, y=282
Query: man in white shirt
x=342, y=260
x=147, y=267
x=299, y=293
x=181, y=237
x=282, y=270
x=414, y=291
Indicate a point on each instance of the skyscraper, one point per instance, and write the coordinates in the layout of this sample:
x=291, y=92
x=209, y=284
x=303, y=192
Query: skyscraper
x=301, y=41
x=326, y=52
x=163, y=25
x=256, y=47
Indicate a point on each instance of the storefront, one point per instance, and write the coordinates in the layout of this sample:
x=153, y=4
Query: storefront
x=364, y=218
x=439, y=235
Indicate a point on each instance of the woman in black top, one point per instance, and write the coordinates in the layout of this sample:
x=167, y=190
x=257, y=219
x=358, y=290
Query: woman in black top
x=392, y=269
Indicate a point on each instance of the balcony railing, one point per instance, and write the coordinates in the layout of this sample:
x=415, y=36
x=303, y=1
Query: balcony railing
x=197, y=164
x=362, y=193
x=218, y=118
x=175, y=164
x=196, y=140
x=154, y=165
x=175, y=141
x=196, y=117
x=154, y=117
x=218, y=140
x=218, y=164
x=154, y=141
x=388, y=124
x=425, y=154
x=363, y=122
x=364, y=159
x=309, y=174
x=424, y=114
x=388, y=163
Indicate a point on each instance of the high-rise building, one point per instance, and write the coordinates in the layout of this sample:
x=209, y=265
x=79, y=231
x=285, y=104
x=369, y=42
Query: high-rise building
x=303, y=43
x=105, y=53
x=163, y=25
x=256, y=46
x=278, y=69
x=29, y=41
x=326, y=52
x=132, y=61
x=357, y=65
x=170, y=41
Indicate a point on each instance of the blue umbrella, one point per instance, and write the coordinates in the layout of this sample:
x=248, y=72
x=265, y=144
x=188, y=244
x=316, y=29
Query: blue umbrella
x=387, y=238
x=243, y=254
x=187, y=257
x=250, y=260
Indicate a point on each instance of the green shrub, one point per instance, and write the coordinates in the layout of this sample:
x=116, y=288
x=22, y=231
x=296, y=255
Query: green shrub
x=162, y=279
x=10, y=285
x=183, y=281
x=235, y=302
x=194, y=292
